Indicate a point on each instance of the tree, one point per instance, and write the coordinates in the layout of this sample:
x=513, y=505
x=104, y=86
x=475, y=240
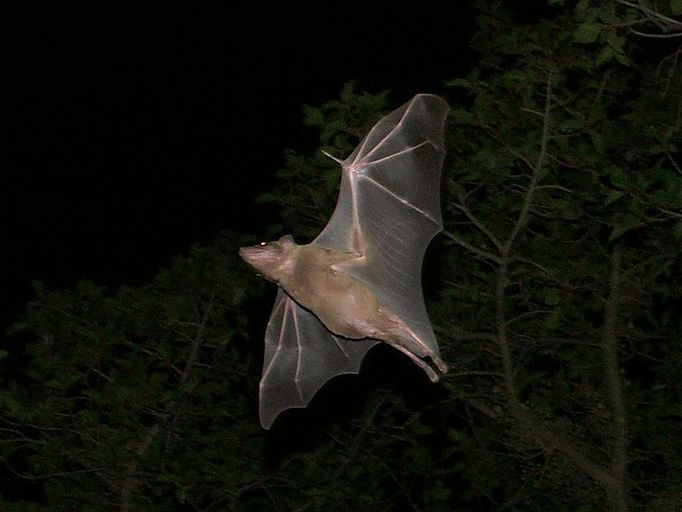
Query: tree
x=567, y=195
x=121, y=403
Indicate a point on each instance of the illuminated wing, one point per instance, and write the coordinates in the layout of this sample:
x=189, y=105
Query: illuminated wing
x=390, y=200
x=301, y=355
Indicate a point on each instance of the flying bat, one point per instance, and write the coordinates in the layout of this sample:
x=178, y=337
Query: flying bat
x=359, y=282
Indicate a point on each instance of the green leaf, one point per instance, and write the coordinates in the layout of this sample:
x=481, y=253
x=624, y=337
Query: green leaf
x=676, y=7
x=551, y=296
x=605, y=55
x=587, y=33
x=677, y=231
x=616, y=175
x=614, y=196
x=622, y=58
x=461, y=116
x=266, y=197
x=674, y=410
x=623, y=228
x=454, y=188
x=312, y=116
x=456, y=436
x=552, y=322
x=582, y=6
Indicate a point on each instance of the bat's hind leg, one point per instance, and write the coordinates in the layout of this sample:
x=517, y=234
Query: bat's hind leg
x=433, y=376
x=399, y=335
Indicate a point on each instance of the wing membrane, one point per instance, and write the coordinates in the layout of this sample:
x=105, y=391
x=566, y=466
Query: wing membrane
x=390, y=195
x=389, y=199
x=300, y=356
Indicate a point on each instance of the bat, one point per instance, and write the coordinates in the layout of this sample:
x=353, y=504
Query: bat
x=359, y=282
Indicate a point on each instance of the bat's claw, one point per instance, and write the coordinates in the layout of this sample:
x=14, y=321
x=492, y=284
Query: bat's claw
x=440, y=364
x=432, y=374
x=340, y=162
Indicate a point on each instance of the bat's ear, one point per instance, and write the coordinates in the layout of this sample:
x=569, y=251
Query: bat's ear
x=287, y=240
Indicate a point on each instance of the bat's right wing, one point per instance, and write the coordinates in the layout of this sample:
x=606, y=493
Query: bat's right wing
x=301, y=355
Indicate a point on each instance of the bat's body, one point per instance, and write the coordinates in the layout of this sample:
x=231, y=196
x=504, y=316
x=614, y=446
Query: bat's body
x=359, y=281
x=317, y=279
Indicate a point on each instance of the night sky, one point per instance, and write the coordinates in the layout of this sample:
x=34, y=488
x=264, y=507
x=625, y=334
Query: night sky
x=131, y=131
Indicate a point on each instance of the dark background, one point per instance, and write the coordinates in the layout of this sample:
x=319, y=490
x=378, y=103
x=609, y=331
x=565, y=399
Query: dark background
x=131, y=131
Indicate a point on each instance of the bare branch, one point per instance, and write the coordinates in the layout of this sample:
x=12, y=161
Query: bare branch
x=672, y=161
x=656, y=36
x=660, y=20
x=502, y=338
x=532, y=263
x=542, y=157
x=479, y=252
x=528, y=314
x=614, y=384
x=511, y=150
x=463, y=208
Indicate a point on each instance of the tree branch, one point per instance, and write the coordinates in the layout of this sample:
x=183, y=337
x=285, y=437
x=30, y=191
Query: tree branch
x=463, y=208
x=535, y=178
x=661, y=21
x=533, y=427
x=471, y=248
x=617, y=490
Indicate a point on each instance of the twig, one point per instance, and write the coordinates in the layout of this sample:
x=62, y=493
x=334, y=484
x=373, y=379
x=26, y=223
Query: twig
x=656, y=36
x=462, y=207
x=527, y=314
x=672, y=161
x=404, y=491
x=479, y=252
x=660, y=20
x=499, y=139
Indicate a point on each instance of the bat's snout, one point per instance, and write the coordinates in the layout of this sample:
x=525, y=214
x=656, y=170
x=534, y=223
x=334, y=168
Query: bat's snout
x=243, y=253
x=249, y=254
x=264, y=258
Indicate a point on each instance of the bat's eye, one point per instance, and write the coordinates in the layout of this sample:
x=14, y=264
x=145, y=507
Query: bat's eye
x=263, y=243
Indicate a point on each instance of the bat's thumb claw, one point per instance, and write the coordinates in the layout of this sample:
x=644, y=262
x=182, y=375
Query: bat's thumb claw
x=340, y=162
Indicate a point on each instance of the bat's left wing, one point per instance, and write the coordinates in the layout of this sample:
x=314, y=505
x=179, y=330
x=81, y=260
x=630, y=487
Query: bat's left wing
x=300, y=356
x=389, y=204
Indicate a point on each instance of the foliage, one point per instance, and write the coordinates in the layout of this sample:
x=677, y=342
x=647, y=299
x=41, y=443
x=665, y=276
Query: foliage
x=313, y=180
x=566, y=194
x=555, y=293
x=121, y=403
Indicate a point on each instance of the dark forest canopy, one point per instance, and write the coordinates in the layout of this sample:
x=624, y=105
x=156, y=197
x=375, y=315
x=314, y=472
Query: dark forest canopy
x=555, y=292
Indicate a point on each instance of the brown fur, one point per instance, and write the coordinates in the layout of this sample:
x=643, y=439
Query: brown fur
x=314, y=277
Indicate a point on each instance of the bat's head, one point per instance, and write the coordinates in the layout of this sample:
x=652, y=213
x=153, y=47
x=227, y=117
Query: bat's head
x=270, y=259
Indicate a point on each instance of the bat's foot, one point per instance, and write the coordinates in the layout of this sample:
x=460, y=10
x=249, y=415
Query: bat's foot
x=398, y=334
x=433, y=376
x=440, y=364
x=430, y=372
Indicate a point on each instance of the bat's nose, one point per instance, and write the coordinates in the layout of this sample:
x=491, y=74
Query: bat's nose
x=244, y=254
x=249, y=254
